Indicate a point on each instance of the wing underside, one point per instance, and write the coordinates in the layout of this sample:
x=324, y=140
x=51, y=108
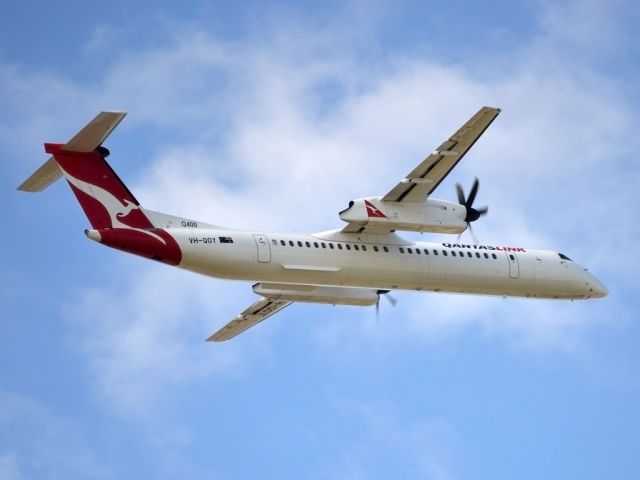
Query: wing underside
x=278, y=296
x=426, y=177
x=420, y=183
x=253, y=315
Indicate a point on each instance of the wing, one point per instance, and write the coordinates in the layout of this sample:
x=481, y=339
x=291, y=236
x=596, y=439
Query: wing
x=426, y=177
x=253, y=315
x=278, y=295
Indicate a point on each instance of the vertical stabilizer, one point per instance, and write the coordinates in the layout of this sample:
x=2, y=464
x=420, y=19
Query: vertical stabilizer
x=116, y=216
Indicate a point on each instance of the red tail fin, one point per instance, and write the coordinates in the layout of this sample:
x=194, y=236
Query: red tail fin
x=105, y=199
x=115, y=214
x=113, y=211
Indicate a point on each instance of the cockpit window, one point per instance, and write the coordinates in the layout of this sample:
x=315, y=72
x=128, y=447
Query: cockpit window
x=564, y=257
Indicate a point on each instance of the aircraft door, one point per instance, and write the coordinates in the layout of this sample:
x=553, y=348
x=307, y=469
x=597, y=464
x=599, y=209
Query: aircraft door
x=540, y=272
x=514, y=266
x=264, y=249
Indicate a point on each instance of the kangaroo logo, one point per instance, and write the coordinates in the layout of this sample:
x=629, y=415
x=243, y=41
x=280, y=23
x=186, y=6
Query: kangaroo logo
x=373, y=211
x=123, y=213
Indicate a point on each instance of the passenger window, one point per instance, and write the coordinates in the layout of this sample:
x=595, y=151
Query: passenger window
x=512, y=258
x=323, y=245
x=444, y=252
x=461, y=254
x=291, y=243
x=409, y=250
x=453, y=254
x=426, y=251
x=385, y=249
x=401, y=250
x=331, y=246
x=375, y=248
x=435, y=252
x=356, y=247
x=418, y=251
x=339, y=246
x=364, y=248
x=469, y=255
x=486, y=255
x=315, y=244
x=307, y=244
x=299, y=243
x=494, y=256
x=274, y=242
x=348, y=247
x=477, y=255
x=282, y=243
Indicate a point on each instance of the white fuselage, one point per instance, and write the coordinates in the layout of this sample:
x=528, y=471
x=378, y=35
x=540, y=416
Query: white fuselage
x=383, y=262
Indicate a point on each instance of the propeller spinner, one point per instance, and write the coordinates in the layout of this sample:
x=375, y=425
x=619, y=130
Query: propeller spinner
x=473, y=214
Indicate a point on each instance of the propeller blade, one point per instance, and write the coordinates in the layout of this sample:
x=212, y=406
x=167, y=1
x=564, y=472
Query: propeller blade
x=482, y=210
x=460, y=193
x=392, y=300
x=473, y=192
x=473, y=235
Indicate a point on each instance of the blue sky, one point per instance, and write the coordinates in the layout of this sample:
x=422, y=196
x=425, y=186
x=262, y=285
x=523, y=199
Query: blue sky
x=272, y=117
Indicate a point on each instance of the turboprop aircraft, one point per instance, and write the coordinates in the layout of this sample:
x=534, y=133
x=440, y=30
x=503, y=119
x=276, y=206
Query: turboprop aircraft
x=353, y=265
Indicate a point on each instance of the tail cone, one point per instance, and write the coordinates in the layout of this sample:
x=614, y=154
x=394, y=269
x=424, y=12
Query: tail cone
x=93, y=235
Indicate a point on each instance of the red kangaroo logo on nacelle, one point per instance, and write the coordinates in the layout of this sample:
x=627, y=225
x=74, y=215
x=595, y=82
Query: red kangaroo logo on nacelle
x=373, y=211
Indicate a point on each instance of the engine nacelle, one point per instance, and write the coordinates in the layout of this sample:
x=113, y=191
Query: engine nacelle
x=315, y=294
x=430, y=216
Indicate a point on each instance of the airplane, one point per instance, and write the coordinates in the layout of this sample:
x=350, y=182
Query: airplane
x=353, y=265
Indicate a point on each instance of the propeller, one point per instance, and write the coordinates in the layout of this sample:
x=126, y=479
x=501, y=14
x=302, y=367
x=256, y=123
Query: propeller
x=392, y=300
x=473, y=214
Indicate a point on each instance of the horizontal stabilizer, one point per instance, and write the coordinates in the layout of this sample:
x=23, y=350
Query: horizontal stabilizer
x=86, y=140
x=44, y=176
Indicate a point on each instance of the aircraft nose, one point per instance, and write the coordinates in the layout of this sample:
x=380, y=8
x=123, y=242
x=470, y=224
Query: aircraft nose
x=596, y=287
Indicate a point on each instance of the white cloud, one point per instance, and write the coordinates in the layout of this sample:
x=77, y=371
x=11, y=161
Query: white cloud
x=145, y=335
x=36, y=442
x=593, y=29
x=380, y=443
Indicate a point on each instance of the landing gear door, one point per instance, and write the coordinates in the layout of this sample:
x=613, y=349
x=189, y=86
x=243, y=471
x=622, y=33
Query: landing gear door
x=264, y=249
x=514, y=266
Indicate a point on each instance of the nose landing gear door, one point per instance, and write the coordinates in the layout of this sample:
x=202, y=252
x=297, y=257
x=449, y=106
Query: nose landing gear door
x=264, y=249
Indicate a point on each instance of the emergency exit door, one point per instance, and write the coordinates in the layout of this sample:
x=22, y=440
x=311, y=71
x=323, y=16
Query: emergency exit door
x=514, y=266
x=264, y=249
